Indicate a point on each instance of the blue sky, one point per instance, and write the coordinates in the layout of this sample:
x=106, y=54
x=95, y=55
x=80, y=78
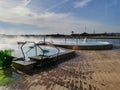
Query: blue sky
x=59, y=16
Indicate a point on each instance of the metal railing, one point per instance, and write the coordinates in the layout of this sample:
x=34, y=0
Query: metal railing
x=36, y=45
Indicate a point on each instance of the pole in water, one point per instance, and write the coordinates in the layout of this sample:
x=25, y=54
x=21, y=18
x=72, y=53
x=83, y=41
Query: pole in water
x=44, y=39
x=65, y=39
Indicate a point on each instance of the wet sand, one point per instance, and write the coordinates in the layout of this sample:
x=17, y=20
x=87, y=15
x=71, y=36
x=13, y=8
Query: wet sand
x=89, y=70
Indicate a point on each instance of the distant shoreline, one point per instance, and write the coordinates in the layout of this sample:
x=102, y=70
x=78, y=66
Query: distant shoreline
x=65, y=36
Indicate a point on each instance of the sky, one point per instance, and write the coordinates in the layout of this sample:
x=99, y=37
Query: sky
x=59, y=16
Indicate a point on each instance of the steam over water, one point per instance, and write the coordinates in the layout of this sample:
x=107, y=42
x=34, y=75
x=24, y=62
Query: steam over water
x=15, y=39
x=9, y=42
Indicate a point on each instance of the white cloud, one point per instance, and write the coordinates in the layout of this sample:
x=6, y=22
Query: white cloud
x=23, y=15
x=82, y=3
x=7, y=4
x=49, y=21
x=26, y=2
x=57, y=5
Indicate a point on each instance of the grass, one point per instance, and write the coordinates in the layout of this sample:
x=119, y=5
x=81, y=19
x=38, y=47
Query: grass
x=5, y=76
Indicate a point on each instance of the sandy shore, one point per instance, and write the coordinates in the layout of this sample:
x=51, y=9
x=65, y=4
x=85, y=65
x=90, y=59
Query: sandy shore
x=89, y=70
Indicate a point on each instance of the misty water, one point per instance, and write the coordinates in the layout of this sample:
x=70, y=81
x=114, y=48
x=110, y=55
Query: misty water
x=7, y=42
x=15, y=39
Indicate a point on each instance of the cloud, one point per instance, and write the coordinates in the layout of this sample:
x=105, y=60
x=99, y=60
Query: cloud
x=82, y=3
x=24, y=15
x=57, y=5
x=50, y=22
x=26, y=2
x=7, y=4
